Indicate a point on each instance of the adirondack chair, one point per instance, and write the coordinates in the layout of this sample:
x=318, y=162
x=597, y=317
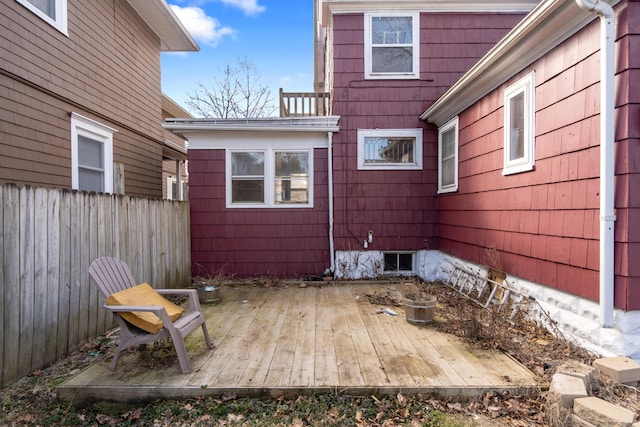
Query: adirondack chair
x=113, y=275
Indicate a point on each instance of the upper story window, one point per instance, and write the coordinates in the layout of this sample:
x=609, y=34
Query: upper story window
x=519, y=126
x=389, y=148
x=53, y=12
x=448, y=157
x=91, y=155
x=269, y=178
x=392, y=45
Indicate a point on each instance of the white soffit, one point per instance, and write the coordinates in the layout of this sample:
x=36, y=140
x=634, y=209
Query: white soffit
x=544, y=28
x=276, y=124
x=358, y=6
x=161, y=19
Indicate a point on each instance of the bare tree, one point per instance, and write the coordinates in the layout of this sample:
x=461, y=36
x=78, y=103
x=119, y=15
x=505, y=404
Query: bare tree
x=237, y=92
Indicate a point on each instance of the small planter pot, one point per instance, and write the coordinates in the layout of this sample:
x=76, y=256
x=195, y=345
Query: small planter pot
x=208, y=294
x=420, y=311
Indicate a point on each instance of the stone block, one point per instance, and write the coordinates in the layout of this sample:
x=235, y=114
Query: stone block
x=577, y=369
x=565, y=389
x=621, y=369
x=602, y=413
x=579, y=422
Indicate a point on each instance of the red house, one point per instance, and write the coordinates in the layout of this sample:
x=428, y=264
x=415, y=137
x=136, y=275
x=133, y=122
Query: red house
x=456, y=130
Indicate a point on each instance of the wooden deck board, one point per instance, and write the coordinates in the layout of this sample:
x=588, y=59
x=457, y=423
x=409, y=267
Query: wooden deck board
x=326, y=362
x=270, y=341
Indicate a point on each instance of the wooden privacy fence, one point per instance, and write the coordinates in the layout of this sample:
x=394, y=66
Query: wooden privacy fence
x=48, y=239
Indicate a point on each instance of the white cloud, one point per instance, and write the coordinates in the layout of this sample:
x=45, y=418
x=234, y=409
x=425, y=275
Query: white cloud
x=203, y=28
x=250, y=7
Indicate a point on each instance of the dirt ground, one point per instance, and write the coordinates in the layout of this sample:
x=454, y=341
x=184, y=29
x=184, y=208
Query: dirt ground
x=32, y=400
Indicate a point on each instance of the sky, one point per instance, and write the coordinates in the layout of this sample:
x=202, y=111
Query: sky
x=276, y=36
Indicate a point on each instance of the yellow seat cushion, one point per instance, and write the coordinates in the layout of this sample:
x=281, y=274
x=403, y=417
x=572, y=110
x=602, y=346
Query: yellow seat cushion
x=145, y=295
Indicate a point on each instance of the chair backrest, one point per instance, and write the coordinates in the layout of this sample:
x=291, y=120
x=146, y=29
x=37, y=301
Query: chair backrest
x=111, y=275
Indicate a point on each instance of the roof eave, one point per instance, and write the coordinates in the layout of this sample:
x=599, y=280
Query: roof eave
x=307, y=124
x=544, y=28
x=354, y=6
x=158, y=15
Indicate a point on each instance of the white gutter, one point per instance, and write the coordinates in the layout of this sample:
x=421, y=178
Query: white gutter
x=607, y=165
x=332, y=251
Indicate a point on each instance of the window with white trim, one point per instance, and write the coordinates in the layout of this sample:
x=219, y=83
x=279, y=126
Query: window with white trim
x=392, y=45
x=519, y=126
x=389, y=149
x=91, y=155
x=448, y=157
x=398, y=263
x=54, y=12
x=172, y=189
x=269, y=178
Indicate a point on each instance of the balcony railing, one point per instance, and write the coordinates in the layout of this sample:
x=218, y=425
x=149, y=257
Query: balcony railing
x=304, y=104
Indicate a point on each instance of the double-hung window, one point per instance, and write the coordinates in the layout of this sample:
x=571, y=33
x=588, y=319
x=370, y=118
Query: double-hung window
x=91, y=155
x=54, y=12
x=269, y=178
x=392, y=45
x=448, y=157
x=389, y=149
x=519, y=117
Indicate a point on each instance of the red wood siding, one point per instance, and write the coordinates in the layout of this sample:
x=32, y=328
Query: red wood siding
x=627, y=194
x=107, y=69
x=398, y=206
x=255, y=242
x=545, y=223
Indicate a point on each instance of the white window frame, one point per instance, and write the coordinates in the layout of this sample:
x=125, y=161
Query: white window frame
x=368, y=46
x=170, y=181
x=60, y=20
x=269, y=177
x=525, y=163
x=451, y=124
x=390, y=133
x=83, y=126
x=397, y=271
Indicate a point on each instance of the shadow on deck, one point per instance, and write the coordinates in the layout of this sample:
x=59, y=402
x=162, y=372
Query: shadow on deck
x=291, y=341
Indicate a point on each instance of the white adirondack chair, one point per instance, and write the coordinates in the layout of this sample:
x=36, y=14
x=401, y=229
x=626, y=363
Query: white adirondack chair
x=113, y=275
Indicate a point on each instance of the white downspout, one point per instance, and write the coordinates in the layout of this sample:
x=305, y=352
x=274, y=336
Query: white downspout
x=607, y=165
x=332, y=254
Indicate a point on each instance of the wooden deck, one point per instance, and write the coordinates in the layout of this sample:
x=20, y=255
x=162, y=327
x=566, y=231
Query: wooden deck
x=275, y=341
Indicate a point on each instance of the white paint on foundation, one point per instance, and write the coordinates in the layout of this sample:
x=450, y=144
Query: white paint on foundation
x=574, y=317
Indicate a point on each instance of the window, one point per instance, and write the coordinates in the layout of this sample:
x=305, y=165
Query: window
x=91, y=155
x=172, y=189
x=398, y=262
x=54, y=12
x=519, y=126
x=269, y=178
x=392, y=46
x=448, y=157
x=390, y=149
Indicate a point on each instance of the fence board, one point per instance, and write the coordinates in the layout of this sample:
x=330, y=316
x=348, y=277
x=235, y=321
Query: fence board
x=83, y=251
x=64, y=283
x=40, y=276
x=52, y=285
x=49, y=238
x=2, y=289
x=25, y=284
x=11, y=291
x=92, y=253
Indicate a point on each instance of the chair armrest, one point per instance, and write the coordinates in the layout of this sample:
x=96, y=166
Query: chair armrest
x=194, y=302
x=129, y=308
x=155, y=309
